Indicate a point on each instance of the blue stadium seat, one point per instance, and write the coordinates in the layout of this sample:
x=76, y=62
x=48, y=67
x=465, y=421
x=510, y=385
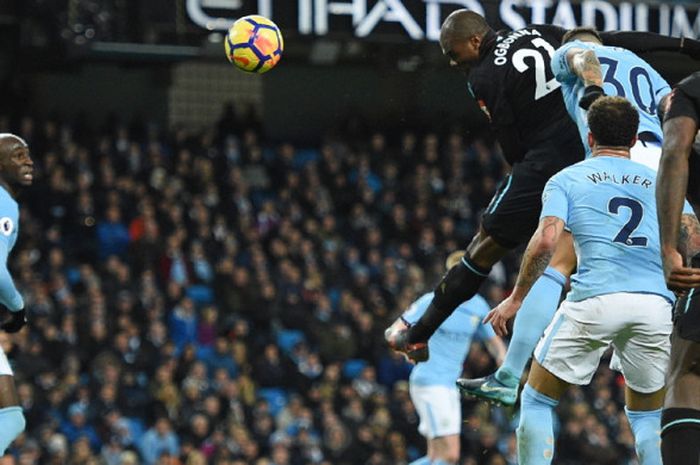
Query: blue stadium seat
x=354, y=367
x=288, y=338
x=275, y=397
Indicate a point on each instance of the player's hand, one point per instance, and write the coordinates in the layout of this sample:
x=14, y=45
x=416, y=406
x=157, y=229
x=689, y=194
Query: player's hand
x=678, y=277
x=590, y=95
x=499, y=316
x=16, y=321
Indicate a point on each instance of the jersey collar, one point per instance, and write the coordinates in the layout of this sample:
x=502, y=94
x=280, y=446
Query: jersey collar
x=487, y=44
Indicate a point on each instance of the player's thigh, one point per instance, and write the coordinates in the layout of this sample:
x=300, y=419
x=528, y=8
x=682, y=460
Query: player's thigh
x=683, y=379
x=438, y=408
x=644, y=401
x=545, y=382
x=574, y=341
x=513, y=214
x=564, y=259
x=8, y=391
x=484, y=250
x=643, y=342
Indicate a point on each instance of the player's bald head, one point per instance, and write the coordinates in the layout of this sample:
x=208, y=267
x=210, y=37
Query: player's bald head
x=461, y=25
x=10, y=142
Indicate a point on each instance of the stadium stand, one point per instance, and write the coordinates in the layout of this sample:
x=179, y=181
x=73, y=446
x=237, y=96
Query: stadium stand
x=215, y=298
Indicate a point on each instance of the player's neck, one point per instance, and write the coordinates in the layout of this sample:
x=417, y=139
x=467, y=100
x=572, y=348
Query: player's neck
x=606, y=151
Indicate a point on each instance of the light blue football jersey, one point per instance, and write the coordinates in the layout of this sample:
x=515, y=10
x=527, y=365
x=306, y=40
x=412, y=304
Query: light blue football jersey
x=609, y=205
x=9, y=226
x=449, y=345
x=624, y=74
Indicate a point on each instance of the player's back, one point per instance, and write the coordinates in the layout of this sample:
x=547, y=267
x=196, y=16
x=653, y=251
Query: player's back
x=612, y=216
x=450, y=343
x=514, y=85
x=624, y=74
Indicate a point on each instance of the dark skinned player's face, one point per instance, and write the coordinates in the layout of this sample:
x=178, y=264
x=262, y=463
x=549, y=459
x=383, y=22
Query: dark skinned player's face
x=461, y=53
x=16, y=165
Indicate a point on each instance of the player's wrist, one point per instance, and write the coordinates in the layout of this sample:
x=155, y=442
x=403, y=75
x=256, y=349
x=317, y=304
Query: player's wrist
x=669, y=250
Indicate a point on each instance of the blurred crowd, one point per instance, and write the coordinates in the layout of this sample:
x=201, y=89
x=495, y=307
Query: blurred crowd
x=216, y=298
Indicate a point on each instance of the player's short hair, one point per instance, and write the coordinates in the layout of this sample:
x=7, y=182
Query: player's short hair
x=463, y=24
x=613, y=121
x=454, y=258
x=573, y=34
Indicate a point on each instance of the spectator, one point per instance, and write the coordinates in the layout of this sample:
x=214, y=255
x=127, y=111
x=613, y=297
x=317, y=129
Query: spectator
x=158, y=440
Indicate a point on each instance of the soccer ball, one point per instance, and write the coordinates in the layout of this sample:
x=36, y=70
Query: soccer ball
x=254, y=44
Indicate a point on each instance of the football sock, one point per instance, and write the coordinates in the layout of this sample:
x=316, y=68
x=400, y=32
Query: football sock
x=646, y=426
x=421, y=461
x=440, y=462
x=458, y=285
x=12, y=423
x=535, y=433
x=680, y=436
x=530, y=322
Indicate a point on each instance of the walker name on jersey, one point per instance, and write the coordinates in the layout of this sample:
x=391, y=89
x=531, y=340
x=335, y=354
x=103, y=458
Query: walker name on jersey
x=621, y=179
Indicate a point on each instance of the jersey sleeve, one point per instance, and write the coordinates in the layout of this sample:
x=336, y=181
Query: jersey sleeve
x=687, y=208
x=560, y=64
x=659, y=84
x=9, y=295
x=555, y=201
x=417, y=309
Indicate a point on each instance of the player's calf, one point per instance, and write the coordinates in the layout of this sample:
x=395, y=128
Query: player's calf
x=458, y=285
x=645, y=426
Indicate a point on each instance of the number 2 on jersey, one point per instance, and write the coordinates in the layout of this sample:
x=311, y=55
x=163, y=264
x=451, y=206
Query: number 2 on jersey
x=637, y=213
x=542, y=85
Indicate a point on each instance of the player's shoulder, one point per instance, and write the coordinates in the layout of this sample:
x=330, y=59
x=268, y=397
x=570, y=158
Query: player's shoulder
x=6, y=200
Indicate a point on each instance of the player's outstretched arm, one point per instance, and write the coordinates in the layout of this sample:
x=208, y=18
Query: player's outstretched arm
x=671, y=186
x=536, y=258
x=640, y=42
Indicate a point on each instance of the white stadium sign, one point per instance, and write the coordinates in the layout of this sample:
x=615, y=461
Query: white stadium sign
x=421, y=19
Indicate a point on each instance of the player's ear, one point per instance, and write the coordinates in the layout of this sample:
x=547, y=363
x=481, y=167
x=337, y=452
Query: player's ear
x=475, y=41
x=591, y=140
x=634, y=141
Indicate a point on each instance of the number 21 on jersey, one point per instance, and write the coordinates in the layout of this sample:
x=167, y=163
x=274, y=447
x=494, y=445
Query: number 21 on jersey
x=543, y=86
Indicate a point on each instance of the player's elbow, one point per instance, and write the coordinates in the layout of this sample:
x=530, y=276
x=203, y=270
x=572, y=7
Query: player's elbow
x=547, y=242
